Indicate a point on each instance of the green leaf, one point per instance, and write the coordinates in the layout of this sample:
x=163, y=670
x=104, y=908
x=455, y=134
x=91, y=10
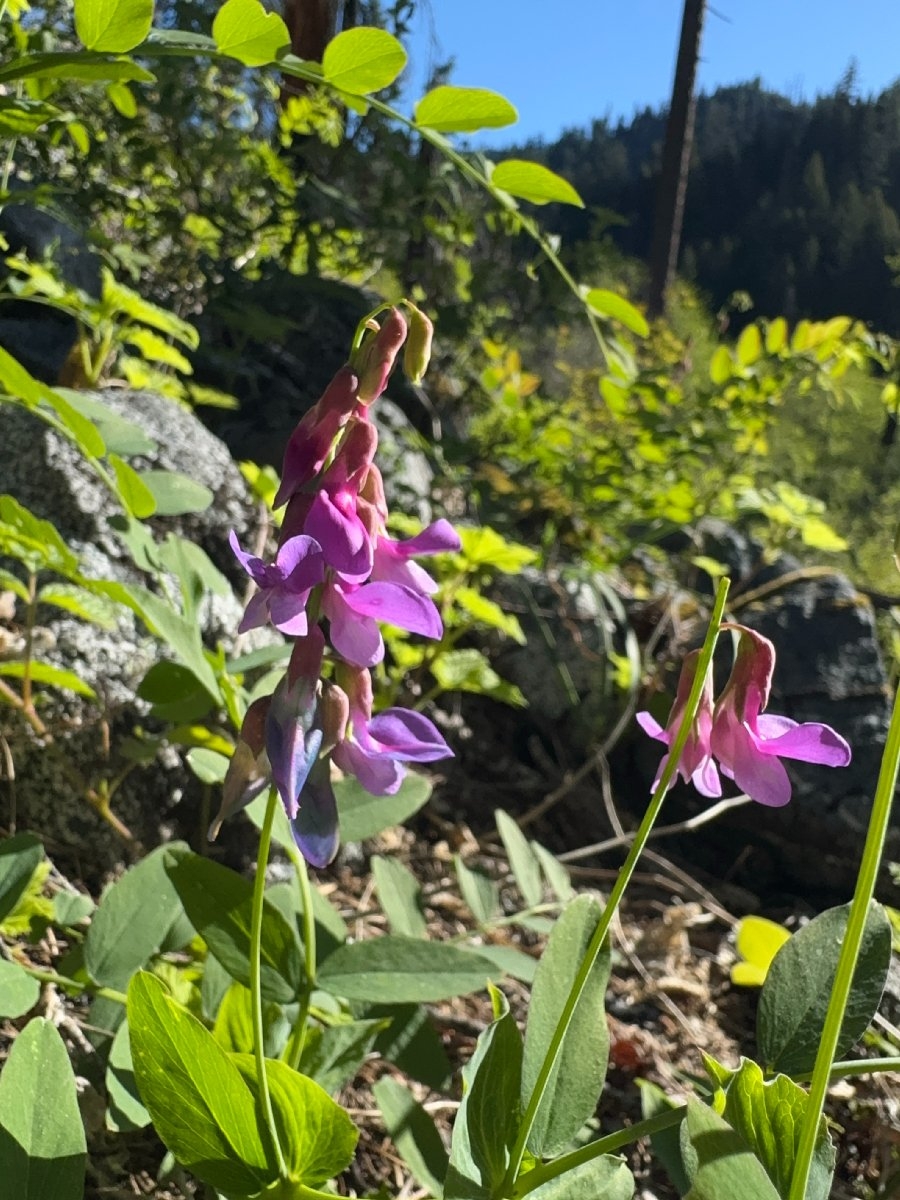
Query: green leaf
x=152, y=346
x=20, y=117
x=554, y=872
x=71, y=908
x=201, y=1106
x=175, y=494
x=113, y=25
x=469, y=671
x=666, y=1143
x=604, y=1176
x=758, y=941
x=132, y=920
x=487, y=1120
x=15, y=379
x=749, y=346
x=533, y=182
x=332, y=1055
x=74, y=65
x=610, y=304
x=485, y=547
x=721, y=366
x=218, y=903
x=795, y=996
x=52, y=676
x=400, y=970
x=316, y=1135
x=244, y=30
x=124, y=1112
x=412, y=1044
x=20, y=857
x=120, y=435
x=128, y=303
x=478, y=890
x=233, y=1028
x=363, y=60
x=175, y=692
x=400, y=896
x=84, y=432
x=489, y=613
x=414, y=1134
x=718, y=1161
x=363, y=815
x=136, y=497
x=451, y=109
x=80, y=602
x=509, y=961
x=19, y=991
x=42, y=1146
x=769, y=1116
x=571, y=1094
x=121, y=97
x=523, y=861
x=33, y=541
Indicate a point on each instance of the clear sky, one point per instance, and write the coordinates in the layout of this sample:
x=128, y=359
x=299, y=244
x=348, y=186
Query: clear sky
x=564, y=62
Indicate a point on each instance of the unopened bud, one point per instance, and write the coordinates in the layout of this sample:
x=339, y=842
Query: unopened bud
x=374, y=360
x=334, y=713
x=417, y=351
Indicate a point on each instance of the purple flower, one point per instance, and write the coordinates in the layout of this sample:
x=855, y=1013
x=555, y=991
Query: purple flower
x=749, y=743
x=293, y=739
x=393, y=559
x=353, y=612
x=696, y=764
x=377, y=747
x=284, y=586
x=310, y=444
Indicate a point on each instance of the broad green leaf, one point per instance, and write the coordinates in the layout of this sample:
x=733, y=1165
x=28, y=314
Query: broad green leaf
x=363, y=60
x=489, y=613
x=20, y=117
x=666, y=1144
x=152, y=346
x=244, y=30
x=175, y=692
x=33, y=541
x=52, y=676
x=233, y=1028
x=451, y=109
x=19, y=991
x=201, y=1106
x=400, y=896
x=218, y=903
x=610, y=304
x=136, y=497
x=74, y=65
x=574, y=1086
x=412, y=1044
x=82, y=429
x=605, y=1177
x=124, y=1112
x=478, y=890
x=749, y=346
x=334, y=1053
x=795, y=996
x=120, y=435
x=132, y=920
x=208, y=765
x=129, y=303
x=776, y=335
x=400, y=970
x=718, y=1161
x=71, y=908
x=316, y=1135
x=487, y=1120
x=758, y=941
x=20, y=857
x=509, y=961
x=769, y=1116
x=721, y=366
x=42, y=1145
x=114, y=26
x=535, y=183
x=80, y=602
x=331, y=931
x=414, y=1134
x=469, y=671
x=14, y=378
x=523, y=861
x=485, y=547
x=175, y=494
x=363, y=815
x=121, y=97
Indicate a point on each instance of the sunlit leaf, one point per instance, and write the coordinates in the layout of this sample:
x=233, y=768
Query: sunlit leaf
x=533, y=182
x=464, y=110
x=363, y=60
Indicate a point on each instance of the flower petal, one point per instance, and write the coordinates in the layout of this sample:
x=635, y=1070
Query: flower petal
x=300, y=563
x=256, y=613
x=315, y=827
x=378, y=774
x=344, y=539
x=761, y=776
x=812, y=743
x=397, y=605
x=438, y=538
x=408, y=736
x=650, y=725
x=355, y=638
x=288, y=612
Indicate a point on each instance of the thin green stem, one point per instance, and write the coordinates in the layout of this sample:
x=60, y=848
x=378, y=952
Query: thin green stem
x=259, y=886
x=615, y=895
x=856, y=1066
x=73, y=985
x=606, y=1145
x=843, y=979
x=294, y=1049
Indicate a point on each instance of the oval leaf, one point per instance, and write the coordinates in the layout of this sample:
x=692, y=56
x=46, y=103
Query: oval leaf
x=175, y=494
x=719, y=1161
x=200, y=1105
x=245, y=31
x=19, y=991
x=363, y=815
x=402, y=970
x=114, y=26
x=42, y=1148
x=464, y=110
x=609, y=304
x=363, y=60
x=530, y=181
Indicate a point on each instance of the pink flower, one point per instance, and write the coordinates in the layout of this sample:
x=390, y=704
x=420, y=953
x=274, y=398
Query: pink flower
x=393, y=559
x=284, y=585
x=749, y=743
x=354, y=611
x=696, y=764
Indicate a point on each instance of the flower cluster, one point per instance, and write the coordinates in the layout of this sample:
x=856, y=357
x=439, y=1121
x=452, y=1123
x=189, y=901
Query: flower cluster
x=736, y=736
x=335, y=576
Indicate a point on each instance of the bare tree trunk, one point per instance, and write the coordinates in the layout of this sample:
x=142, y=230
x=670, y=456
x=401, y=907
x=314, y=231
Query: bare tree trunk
x=676, y=160
x=312, y=24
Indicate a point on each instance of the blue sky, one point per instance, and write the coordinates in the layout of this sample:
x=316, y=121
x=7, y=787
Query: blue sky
x=563, y=62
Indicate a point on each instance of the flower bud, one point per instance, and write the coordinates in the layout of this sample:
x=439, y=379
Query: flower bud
x=334, y=713
x=374, y=360
x=417, y=351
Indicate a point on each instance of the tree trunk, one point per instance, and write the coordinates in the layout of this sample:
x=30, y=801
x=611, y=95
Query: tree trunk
x=675, y=161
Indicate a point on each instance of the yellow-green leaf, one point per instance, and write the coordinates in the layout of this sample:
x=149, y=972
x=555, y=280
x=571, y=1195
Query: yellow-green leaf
x=245, y=31
x=609, y=304
x=464, y=110
x=363, y=60
x=114, y=26
x=533, y=182
x=758, y=941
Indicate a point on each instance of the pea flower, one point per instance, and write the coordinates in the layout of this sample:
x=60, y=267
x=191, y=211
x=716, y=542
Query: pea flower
x=284, y=586
x=737, y=734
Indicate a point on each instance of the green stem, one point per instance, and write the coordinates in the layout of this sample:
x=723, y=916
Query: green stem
x=259, y=887
x=615, y=895
x=855, y=1066
x=294, y=1049
x=605, y=1145
x=843, y=979
x=73, y=985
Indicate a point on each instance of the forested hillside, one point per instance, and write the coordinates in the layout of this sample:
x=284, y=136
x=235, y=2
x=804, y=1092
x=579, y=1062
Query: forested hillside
x=795, y=204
